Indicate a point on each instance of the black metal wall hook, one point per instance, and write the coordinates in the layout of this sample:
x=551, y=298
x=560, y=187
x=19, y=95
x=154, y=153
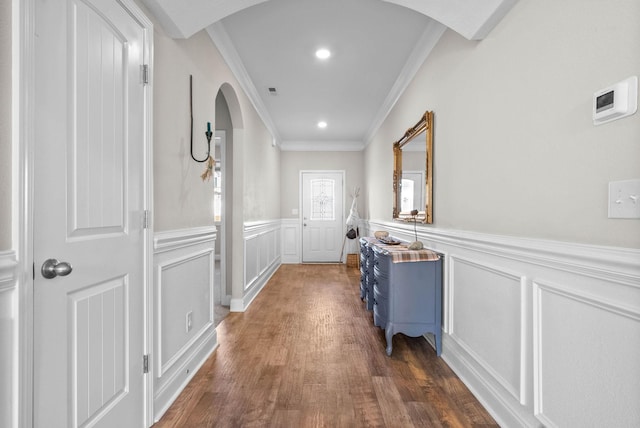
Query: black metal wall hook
x=208, y=133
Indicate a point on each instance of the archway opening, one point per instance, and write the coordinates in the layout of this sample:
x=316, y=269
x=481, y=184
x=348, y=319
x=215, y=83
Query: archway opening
x=228, y=121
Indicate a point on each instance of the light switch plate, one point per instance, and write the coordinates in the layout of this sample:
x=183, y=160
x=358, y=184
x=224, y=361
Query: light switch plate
x=624, y=199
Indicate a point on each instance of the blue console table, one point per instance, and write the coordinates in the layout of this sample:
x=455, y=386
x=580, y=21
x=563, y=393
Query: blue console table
x=404, y=289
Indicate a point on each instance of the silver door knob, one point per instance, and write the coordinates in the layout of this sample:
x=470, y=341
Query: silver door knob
x=52, y=268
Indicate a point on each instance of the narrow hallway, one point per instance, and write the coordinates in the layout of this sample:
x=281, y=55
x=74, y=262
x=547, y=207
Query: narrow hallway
x=306, y=354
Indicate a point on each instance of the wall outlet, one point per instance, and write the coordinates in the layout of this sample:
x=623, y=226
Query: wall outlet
x=189, y=321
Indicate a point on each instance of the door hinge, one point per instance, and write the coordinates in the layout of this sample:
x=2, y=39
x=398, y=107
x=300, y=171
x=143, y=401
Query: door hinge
x=145, y=363
x=145, y=74
x=146, y=219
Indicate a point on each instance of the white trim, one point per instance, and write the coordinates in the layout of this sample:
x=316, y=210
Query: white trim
x=22, y=108
x=172, y=240
x=253, y=228
x=599, y=262
x=145, y=22
x=322, y=146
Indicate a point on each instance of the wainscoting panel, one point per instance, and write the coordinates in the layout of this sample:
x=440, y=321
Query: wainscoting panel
x=593, y=381
x=174, y=305
x=291, y=241
x=544, y=333
x=184, y=334
x=261, y=259
x=9, y=369
x=485, y=319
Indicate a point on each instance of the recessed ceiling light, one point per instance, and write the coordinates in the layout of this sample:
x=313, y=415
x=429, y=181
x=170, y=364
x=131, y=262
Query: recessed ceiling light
x=322, y=124
x=323, y=53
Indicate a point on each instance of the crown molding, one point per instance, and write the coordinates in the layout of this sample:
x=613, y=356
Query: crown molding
x=322, y=146
x=419, y=54
x=221, y=39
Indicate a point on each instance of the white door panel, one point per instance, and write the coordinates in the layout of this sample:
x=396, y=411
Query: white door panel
x=322, y=214
x=88, y=209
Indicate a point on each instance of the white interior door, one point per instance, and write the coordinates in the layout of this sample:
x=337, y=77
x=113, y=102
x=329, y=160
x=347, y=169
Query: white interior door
x=323, y=225
x=89, y=202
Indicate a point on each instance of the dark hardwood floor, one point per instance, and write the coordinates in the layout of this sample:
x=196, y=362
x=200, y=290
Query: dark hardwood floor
x=306, y=354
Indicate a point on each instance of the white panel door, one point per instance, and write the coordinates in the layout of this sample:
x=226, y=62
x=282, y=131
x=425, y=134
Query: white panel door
x=89, y=200
x=323, y=225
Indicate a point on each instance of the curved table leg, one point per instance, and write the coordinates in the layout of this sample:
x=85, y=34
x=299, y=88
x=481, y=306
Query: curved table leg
x=389, y=336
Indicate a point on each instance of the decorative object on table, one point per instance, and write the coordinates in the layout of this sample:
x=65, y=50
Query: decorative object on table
x=380, y=234
x=389, y=241
x=415, y=245
x=353, y=231
x=208, y=133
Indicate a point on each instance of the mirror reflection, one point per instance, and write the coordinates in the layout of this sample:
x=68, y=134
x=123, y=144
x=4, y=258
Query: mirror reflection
x=414, y=167
x=412, y=175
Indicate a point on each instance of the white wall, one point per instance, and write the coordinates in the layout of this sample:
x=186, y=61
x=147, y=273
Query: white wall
x=516, y=152
x=293, y=162
x=181, y=198
x=261, y=169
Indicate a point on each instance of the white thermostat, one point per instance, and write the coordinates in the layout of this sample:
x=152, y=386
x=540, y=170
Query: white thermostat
x=616, y=102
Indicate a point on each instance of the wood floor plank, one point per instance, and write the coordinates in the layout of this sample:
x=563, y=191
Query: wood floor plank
x=306, y=354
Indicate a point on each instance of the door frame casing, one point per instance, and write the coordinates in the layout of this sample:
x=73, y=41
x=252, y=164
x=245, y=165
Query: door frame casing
x=23, y=99
x=301, y=194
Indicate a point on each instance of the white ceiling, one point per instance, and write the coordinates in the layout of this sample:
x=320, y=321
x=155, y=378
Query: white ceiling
x=377, y=46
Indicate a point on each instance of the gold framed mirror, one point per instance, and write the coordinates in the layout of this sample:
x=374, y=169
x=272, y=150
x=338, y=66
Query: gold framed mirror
x=413, y=172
